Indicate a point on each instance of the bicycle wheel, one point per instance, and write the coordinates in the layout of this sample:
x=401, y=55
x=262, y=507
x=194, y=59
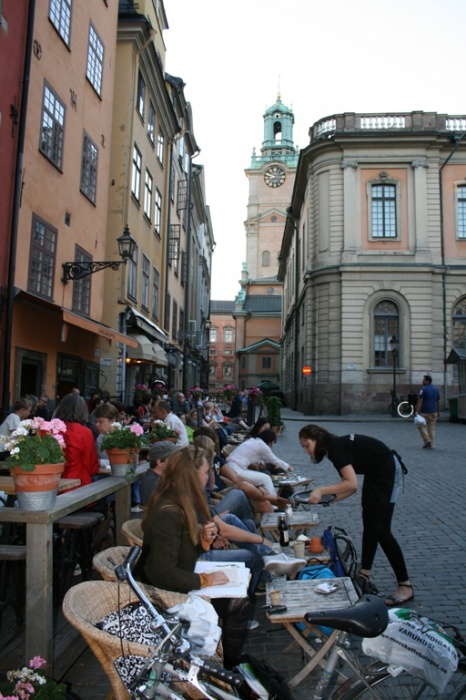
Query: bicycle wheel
x=401, y=687
x=405, y=409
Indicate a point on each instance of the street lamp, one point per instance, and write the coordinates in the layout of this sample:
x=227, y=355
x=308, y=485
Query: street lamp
x=78, y=270
x=394, y=345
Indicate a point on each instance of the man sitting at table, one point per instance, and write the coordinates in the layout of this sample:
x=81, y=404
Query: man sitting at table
x=164, y=413
x=158, y=455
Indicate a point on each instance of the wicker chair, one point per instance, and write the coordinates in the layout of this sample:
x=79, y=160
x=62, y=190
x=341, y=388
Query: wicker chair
x=104, y=562
x=132, y=530
x=88, y=602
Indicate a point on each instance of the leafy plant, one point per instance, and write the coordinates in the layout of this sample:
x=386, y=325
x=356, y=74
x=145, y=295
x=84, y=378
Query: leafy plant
x=123, y=437
x=161, y=431
x=274, y=406
x=31, y=682
x=256, y=396
x=35, y=441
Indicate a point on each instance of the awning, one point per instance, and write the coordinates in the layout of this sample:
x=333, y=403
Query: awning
x=93, y=327
x=456, y=355
x=147, y=350
x=149, y=327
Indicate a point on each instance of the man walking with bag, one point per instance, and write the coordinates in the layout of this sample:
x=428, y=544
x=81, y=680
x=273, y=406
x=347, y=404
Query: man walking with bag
x=428, y=406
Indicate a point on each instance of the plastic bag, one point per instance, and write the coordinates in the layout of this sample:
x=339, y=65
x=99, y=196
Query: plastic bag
x=416, y=644
x=419, y=420
x=204, y=631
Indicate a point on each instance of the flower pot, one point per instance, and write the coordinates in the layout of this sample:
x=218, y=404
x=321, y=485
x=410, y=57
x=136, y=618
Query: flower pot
x=122, y=461
x=164, y=439
x=37, y=490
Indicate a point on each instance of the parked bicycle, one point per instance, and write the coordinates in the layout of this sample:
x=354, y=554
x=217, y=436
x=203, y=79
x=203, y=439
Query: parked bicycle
x=172, y=661
x=402, y=407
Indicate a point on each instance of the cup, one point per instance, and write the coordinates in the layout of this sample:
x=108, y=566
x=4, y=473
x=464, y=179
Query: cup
x=278, y=583
x=315, y=545
x=275, y=597
x=298, y=547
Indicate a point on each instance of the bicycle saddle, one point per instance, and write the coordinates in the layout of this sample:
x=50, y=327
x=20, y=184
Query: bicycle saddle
x=367, y=618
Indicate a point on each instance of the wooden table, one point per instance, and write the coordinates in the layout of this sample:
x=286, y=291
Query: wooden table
x=300, y=523
x=7, y=485
x=300, y=598
x=39, y=560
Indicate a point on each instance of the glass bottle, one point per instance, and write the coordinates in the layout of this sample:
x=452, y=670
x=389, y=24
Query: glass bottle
x=284, y=531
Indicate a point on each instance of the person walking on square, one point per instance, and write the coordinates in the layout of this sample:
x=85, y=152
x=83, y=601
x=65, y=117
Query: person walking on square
x=428, y=406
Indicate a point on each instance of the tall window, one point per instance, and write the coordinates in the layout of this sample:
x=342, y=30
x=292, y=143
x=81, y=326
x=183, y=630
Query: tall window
x=132, y=275
x=141, y=96
x=228, y=335
x=383, y=203
x=155, y=292
x=53, y=124
x=166, y=316
x=89, y=168
x=42, y=258
x=145, y=282
x=148, y=184
x=265, y=258
x=82, y=287
x=136, y=174
x=266, y=363
x=213, y=335
x=95, y=60
x=60, y=16
x=459, y=324
x=151, y=123
x=227, y=370
x=160, y=146
x=174, y=320
x=386, y=325
x=461, y=211
x=158, y=211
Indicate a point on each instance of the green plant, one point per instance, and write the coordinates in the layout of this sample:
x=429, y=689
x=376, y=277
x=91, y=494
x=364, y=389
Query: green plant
x=35, y=441
x=161, y=431
x=31, y=682
x=123, y=437
x=274, y=406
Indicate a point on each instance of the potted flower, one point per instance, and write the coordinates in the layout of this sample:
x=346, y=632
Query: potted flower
x=229, y=392
x=31, y=681
x=139, y=391
x=256, y=396
x=274, y=406
x=196, y=394
x=161, y=431
x=122, y=446
x=36, y=461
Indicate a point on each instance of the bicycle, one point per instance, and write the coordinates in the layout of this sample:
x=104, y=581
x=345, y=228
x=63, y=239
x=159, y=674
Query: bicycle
x=401, y=406
x=166, y=666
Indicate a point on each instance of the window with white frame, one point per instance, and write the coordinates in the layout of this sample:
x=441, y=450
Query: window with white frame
x=145, y=282
x=95, y=60
x=151, y=123
x=141, y=96
x=160, y=146
x=461, y=211
x=42, y=258
x=158, y=211
x=213, y=335
x=136, y=174
x=386, y=324
x=266, y=362
x=60, y=16
x=132, y=275
x=52, y=127
x=174, y=320
x=89, y=161
x=213, y=370
x=459, y=324
x=148, y=185
x=82, y=287
x=383, y=210
x=228, y=335
x=227, y=370
x=155, y=292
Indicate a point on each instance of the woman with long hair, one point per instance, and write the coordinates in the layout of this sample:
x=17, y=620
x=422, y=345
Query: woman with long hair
x=177, y=530
x=383, y=473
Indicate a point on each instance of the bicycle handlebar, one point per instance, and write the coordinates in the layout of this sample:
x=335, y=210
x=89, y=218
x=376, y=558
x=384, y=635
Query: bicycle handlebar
x=223, y=674
x=303, y=497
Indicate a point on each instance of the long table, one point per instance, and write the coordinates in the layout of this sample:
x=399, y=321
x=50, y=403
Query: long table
x=39, y=560
x=8, y=486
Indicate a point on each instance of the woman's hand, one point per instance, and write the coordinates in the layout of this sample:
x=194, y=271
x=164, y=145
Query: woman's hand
x=209, y=531
x=315, y=496
x=218, y=578
x=220, y=543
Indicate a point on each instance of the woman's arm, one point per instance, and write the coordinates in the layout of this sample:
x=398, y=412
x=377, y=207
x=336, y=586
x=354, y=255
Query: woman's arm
x=230, y=532
x=343, y=489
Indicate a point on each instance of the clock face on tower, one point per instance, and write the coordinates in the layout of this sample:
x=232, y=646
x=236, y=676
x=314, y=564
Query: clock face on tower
x=274, y=176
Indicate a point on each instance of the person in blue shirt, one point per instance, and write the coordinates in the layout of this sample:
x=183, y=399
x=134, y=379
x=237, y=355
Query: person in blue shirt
x=428, y=406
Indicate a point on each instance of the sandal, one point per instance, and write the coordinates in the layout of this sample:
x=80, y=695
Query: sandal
x=392, y=601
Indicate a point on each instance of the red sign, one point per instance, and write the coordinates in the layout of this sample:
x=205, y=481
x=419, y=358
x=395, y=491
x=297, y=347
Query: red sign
x=307, y=369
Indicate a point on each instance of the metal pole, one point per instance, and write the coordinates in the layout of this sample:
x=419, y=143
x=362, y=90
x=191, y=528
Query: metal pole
x=394, y=397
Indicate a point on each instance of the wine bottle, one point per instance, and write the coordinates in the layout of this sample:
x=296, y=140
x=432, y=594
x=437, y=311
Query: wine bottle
x=284, y=531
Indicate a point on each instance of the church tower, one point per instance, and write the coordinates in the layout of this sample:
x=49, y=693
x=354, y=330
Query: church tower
x=271, y=177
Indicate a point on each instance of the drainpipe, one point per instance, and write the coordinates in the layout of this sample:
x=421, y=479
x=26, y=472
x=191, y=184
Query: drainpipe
x=15, y=214
x=188, y=256
x=455, y=139
x=296, y=318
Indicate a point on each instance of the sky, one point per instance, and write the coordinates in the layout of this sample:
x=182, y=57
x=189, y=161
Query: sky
x=324, y=57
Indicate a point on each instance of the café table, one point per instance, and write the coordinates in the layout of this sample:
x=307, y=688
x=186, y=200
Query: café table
x=299, y=523
x=39, y=560
x=290, y=481
x=300, y=597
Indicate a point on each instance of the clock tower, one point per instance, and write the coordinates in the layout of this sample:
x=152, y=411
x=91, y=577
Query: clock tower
x=271, y=177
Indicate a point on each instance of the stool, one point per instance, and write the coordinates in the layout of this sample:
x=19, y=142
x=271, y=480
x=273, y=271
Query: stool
x=73, y=546
x=16, y=555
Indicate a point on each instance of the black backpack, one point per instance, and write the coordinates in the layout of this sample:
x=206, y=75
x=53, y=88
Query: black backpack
x=271, y=680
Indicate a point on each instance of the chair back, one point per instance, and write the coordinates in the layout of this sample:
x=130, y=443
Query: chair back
x=106, y=561
x=132, y=530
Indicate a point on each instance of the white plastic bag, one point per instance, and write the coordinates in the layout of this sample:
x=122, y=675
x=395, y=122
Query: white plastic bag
x=419, y=420
x=416, y=644
x=204, y=631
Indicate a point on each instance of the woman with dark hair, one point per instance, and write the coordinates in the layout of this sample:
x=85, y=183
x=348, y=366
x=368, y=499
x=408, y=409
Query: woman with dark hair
x=177, y=529
x=383, y=473
x=80, y=453
x=259, y=426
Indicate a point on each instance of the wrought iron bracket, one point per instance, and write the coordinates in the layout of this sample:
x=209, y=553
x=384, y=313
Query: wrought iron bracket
x=78, y=270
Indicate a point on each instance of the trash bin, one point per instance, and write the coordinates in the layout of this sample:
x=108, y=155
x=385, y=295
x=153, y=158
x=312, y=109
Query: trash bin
x=453, y=404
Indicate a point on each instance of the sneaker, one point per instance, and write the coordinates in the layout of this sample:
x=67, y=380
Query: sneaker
x=137, y=509
x=77, y=570
x=252, y=625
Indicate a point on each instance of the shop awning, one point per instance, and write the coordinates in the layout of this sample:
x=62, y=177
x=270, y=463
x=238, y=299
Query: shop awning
x=149, y=327
x=147, y=350
x=97, y=328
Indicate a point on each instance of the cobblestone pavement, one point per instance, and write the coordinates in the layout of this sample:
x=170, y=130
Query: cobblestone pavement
x=429, y=521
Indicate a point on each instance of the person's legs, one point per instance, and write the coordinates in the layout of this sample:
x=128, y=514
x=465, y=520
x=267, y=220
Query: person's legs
x=423, y=432
x=233, y=612
x=259, y=549
x=259, y=478
x=236, y=502
x=431, y=420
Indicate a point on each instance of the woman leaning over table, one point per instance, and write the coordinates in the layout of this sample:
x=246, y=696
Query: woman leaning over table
x=80, y=453
x=174, y=539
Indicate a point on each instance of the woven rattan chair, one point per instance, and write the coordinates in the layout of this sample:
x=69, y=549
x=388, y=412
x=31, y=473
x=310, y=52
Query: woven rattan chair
x=132, y=530
x=104, y=562
x=88, y=602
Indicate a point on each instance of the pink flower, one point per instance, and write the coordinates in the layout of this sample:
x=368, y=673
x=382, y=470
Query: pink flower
x=37, y=662
x=136, y=429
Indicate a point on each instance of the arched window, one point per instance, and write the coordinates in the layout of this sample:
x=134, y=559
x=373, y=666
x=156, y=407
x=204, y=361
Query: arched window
x=386, y=325
x=227, y=370
x=265, y=258
x=459, y=324
x=212, y=370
